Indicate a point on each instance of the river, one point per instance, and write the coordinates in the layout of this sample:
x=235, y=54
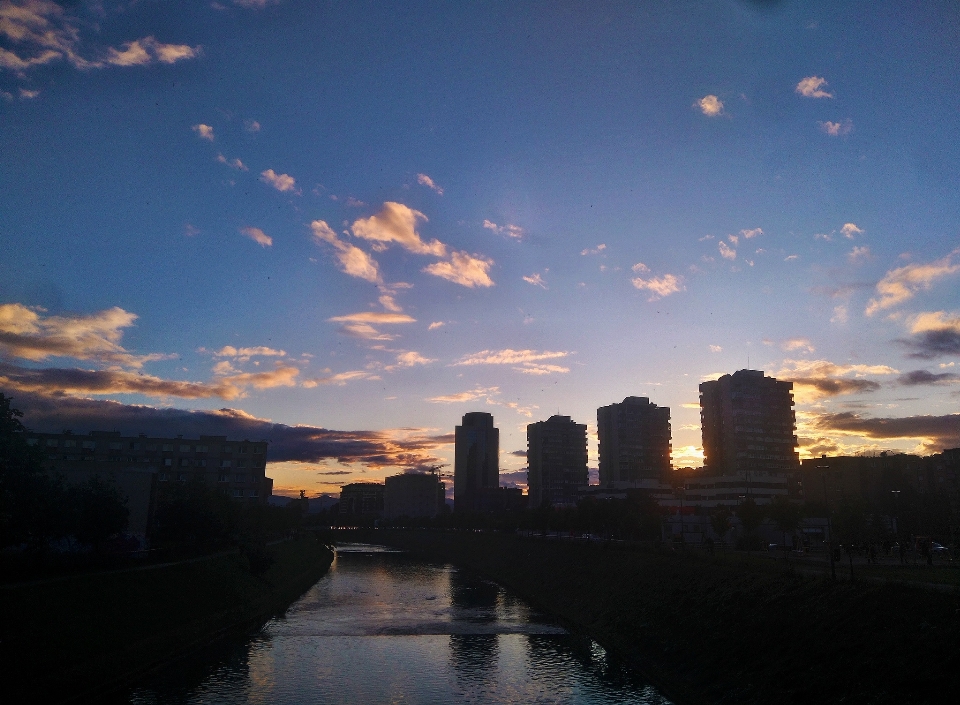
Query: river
x=383, y=627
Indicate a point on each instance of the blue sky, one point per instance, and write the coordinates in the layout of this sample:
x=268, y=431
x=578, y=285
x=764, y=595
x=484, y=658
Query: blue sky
x=350, y=223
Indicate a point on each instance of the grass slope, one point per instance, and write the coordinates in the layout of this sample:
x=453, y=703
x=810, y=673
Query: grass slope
x=722, y=630
x=79, y=637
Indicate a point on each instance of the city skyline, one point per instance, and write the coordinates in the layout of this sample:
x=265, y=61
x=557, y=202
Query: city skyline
x=341, y=228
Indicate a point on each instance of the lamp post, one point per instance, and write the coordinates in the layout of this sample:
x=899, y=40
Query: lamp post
x=823, y=476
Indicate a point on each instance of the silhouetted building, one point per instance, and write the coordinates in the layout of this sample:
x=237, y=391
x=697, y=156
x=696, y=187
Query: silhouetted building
x=476, y=469
x=748, y=424
x=142, y=466
x=556, y=461
x=361, y=501
x=634, y=441
x=412, y=495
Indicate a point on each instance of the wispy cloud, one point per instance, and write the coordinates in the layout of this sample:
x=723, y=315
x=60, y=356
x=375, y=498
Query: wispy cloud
x=534, y=368
x=352, y=259
x=923, y=377
x=204, y=131
x=812, y=87
x=143, y=52
x=837, y=129
x=471, y=395
x=815, y=379
x=509, y=356
x=859, y=254
x=258, y=236
x=396, y=223
x=903, y=283
x=244, y=354
x=411, y=358
x=659, y=286
x=794, y=344
x=27, y=334
x=425, y=180
x=251, y=126
x=435, y=325
x=281, y=182
x=936, y=432
x=715, y=348
x=595, y=251
x=234, y=163
x=726, y=251
x=710, y=105
x=464, y=269
x=510, y=230
x=341, y=378
x=361, y=325
x=850, y=230
x=536, y=280
x=752, y=233
x=935, y=334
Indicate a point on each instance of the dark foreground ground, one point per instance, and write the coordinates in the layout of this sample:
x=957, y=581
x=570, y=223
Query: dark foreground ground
x=726, y=629
x=82, y=637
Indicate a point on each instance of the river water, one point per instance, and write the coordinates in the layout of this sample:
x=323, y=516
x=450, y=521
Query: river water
x=382, y=627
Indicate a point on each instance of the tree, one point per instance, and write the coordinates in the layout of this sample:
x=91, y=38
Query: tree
x=751, y=516
x=100, y=511
x=720, y=521
x=786, y=515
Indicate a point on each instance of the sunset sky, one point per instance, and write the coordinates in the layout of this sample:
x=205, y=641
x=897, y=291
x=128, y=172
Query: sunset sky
x=340, y=226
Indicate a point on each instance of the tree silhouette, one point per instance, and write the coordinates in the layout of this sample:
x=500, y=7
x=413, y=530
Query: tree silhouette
x=720, y=521
x=786, y=515
x=751, y=516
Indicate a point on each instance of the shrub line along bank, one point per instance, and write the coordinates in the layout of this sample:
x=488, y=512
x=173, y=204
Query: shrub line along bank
x=713, y=630
x=84, y=637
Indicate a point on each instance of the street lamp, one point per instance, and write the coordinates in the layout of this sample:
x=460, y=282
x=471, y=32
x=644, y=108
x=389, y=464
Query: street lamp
x=823, y=476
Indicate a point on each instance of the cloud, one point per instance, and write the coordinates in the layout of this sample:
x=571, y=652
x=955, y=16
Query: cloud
x=801, y=344
x=936, y=333
x=281, y=182
x=25, y=333
x=235, y=163
x=389, y=303
x=815, y=379
x=425, y=180
x=244, y=354
x=298, y=443
x=352, y=259
x=859, y=254
x=849, y=230
x=936, y=432
x=812, y=87
x=396, y=223
x=361, y=325
x=715, y=348
x=903, y=283
x=837, y=129
x=27, y=94
x=143, y=52
x=44, y=32
x=510, y=230
x=659, y=286
x=340, y=379
x=840, y=314
x=640, y=267
x=789, y=258
x=923, y=377
x=258, y=236
x=472, y=395
x=509, y=356
x=748, y=234
x=536, y=280
x=255, y=4
x=435, y=325
x=710, y=105
x=726, y=251
x=518, y=453
x=533, y=368
x=251, y=126
x=464, y=269
x=595, y=251
x=203, y=131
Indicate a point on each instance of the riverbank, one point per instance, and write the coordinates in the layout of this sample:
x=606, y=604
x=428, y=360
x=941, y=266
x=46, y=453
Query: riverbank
x=713, y=630
x=78, y=638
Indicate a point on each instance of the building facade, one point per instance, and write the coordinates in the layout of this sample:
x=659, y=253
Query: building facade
x=556, y=461
x=748, y=424
x=634, y=441
x=476, y=471
x=361, y=501
x=142, y=466
x=412, y=495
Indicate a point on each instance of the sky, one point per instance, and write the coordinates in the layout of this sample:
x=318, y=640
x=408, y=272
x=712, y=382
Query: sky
x=339, y=226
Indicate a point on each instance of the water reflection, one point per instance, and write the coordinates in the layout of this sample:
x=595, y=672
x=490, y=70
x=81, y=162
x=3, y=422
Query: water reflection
x=381, y=627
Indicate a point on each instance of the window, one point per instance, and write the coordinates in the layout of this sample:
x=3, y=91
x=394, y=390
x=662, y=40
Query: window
x=201, y=463
x=88, y=444
x=254, y=493
x=167, y=446
x=201, y=449
x=184, y=462
x=182, y=477
x=69, y=444
x=168, y=462
x=258, y=450
x=241, y=463
x=151, y=446
x=228, y=449
x=184, y=448
x=238, y=493
x=163, y=477
x=225, y=463
x=239, y=478
x=51, y=443
x=223, y=477
x=32, y=441
x=135, y=446
x=116, y=446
